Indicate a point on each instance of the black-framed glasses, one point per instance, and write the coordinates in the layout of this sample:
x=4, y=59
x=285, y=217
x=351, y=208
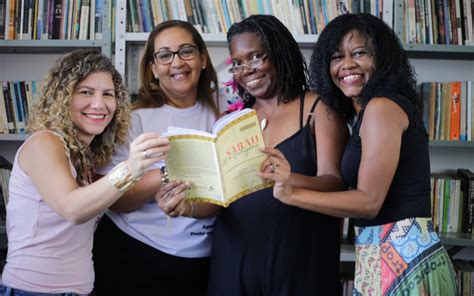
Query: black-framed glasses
x=186, y=53
x=253, y=64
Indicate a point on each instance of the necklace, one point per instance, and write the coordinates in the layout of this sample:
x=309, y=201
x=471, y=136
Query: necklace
x=265, y=119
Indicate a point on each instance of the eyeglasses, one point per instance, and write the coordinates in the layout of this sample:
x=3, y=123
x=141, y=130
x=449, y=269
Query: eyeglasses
x=253, y=64
x=186, y=53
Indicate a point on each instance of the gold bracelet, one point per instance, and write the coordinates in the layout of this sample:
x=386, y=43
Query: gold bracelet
x=121, y=178
x=191, y=212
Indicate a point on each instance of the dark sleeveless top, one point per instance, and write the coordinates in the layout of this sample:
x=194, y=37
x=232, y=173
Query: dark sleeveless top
x=262, y=246
x=409, y=193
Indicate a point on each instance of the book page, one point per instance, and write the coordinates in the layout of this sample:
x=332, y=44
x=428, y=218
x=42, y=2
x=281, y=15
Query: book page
x=223, y=121
x=194, y=158
x=240, y=157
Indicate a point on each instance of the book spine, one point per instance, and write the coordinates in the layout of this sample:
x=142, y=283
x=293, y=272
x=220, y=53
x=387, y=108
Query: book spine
x=9, y=107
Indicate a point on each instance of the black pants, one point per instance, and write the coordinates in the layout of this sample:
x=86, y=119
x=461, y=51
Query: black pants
x=126, y=266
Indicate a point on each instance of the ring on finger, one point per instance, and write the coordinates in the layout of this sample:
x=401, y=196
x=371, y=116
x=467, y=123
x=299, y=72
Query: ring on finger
x=164, y=175
x=272, y=168
x=145, y=154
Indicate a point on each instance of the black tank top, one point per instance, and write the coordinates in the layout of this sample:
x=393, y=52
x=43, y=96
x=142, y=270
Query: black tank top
x=409, y=193
x=264, y=247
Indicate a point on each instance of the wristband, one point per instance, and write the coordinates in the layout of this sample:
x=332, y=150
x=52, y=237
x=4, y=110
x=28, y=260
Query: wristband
x=121, y=178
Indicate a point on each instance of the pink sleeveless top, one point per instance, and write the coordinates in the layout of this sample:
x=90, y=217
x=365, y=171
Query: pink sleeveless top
x=46, y=253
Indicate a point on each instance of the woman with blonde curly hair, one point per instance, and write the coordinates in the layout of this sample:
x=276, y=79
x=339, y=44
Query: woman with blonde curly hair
x=54, y=204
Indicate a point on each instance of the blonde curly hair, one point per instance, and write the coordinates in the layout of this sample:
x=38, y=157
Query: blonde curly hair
x=52, y=112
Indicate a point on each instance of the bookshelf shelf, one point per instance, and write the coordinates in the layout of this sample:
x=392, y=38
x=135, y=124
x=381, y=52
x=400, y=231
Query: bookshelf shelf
x=13, y=137
x=307, y=41
x=218, y=39
x=457, y=239
x=439, y=51
x=47, y=46
x=451, y=144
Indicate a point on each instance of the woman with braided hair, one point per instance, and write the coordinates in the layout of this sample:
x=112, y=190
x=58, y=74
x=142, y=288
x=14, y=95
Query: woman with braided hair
x=53, y=203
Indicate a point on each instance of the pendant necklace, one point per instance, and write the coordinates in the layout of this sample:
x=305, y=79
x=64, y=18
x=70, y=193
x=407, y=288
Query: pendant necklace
x=265, y=119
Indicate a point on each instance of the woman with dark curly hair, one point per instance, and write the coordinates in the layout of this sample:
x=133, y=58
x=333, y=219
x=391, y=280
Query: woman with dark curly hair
x=54, y=204
x=360, y=69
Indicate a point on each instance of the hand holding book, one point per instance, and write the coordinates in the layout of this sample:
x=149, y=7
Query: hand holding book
x=171, y=198
x=277, y=169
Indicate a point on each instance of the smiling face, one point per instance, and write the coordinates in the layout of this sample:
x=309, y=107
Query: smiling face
x=352, y=64
x=93, y=105
x=180, y=78
x=259, y=82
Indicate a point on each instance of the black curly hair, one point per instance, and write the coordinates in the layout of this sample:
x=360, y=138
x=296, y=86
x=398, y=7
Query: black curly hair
x=282, y=51
x=393, y=74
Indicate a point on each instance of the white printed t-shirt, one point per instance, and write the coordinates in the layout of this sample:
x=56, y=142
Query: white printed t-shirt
x=180, y=236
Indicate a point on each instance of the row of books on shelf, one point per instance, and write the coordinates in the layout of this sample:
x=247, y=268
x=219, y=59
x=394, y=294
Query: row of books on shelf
x=5, y=171
x=422, y=21
x=216, y=16
x=448, y=110
x=464, y=276
x=16, y=100
x=438, y=22
x=51, y=19
x=452, y=202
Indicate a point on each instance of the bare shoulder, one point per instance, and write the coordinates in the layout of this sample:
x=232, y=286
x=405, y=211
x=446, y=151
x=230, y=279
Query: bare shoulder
x=383, y=106
x=43, y=146
x=382, y=109
x=44, y=140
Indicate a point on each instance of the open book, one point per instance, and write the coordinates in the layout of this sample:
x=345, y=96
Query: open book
x=222, y=165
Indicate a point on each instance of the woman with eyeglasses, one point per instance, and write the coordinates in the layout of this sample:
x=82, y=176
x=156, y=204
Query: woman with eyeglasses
x=138, y=249
x=262, y=246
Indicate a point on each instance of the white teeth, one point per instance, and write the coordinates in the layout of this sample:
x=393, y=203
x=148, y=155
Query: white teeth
x=253, y=82
x=179, y=76
x=351, y=77
x=95, y=116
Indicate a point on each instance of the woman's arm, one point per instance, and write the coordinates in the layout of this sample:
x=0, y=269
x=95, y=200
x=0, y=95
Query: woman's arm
x=142, y=192
x=381, y=132
x=51, y=175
